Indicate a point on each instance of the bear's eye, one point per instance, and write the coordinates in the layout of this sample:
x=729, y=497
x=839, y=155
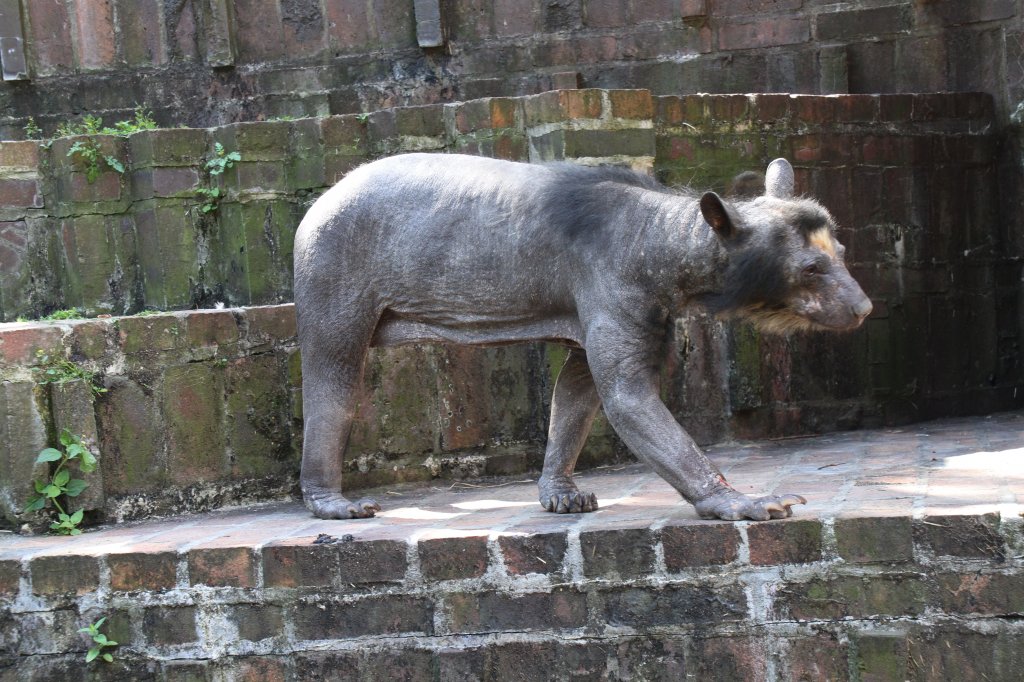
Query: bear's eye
x=812, y=270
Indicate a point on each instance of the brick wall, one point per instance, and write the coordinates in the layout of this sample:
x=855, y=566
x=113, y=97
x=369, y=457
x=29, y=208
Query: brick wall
x=207, y=62
x=939, y=266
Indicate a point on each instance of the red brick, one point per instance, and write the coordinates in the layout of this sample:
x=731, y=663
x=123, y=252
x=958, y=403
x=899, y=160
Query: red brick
x=784, y=542
x=51, y=36
x=725, y=8
x=534, y=553
x=259, y=668
x=499, y=612
x=856, y=108
x=10, y=578
x=149, y=571
x=64, y=575
x=141, y=35
x=768, y=32
x=623, y=553
x=605, y=13
x=211, y=328
x=874, y=539
x=873, y=21
x=817, y=658
x=347, y=25
x=705, y=544
x=163, y=625
x=221, y=567
x=656, y=10
x=373, y=615
x=694, y=8
x=258, y=30
x=960, y=535
x=15, y=193
x=23, y=155
x=169, y=182
x=107, y=187
x=303, y=23
x=991, y=594
x=291, y=564
x=633, y=104
x=674, y=605
x=453, y=558
x=513, y=17
x=18, y=346
x=270, y=324
x=729, y=658
x=94, y=33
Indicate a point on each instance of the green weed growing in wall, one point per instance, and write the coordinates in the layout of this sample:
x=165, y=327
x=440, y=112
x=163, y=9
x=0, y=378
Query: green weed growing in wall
x=100, y=642
x=60, y=484
x=57, y=370
x=215, y=165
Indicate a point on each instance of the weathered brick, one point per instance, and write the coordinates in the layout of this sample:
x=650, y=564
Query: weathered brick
x=23, y=430
x=95, y=33
x=499, y=612
x=626, y=553
x=256, y=622
x=853, y=597
x=673, y=605
x=533, y=553
x=258, y=29
x=303, y=23
x=872, y=21
x=141, y=35
x=874, y=539
x=769, y=32
x=784, y=542
x=192, y=407
x=817, y=658
x=221, y=567
x=50, y=37
x=374, y=615
x=634, y=104
x=453, y=558
x=693, y=8
x=348, y=25
x=143, y=571
x=20, y=193
x=513, y=17
x=346, y=563
x=605, y=13
x=729, y=658
x=168, y=625
x=993, y=594
x=657, y=10
x=699, y=545
x=960, y=535
x=61, y=575
x=725, y=8
x=10, y=578
x=952, y=13
x=881, y=656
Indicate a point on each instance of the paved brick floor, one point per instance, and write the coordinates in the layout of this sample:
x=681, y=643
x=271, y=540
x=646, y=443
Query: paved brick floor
x=971, y=466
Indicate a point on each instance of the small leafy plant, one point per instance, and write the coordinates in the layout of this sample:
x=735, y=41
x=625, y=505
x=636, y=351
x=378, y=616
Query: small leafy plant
x=60, y=483
x=100, y=642
x=88, y=152
x=66, y=314
x=215, y=166
x=57, y=370
x=90, y=155
x=32, y=130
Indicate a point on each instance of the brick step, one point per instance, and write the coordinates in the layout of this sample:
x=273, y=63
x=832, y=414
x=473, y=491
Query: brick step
x=907, y=561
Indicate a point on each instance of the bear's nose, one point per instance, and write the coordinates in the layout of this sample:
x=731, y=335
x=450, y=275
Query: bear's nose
x=863, y=308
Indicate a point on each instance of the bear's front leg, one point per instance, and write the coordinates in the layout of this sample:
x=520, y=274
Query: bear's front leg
x=623, y=360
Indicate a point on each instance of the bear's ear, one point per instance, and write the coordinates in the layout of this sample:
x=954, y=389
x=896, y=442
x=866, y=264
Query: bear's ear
x=717, y=215
x=779, y=181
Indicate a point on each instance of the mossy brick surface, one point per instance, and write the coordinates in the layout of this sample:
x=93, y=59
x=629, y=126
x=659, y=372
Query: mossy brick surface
x=687, y=546
x=268, y=326
x=305, y=166
x=192, y=402
x=400, y=409
x=164, y=626
x=212, y=328
x=874, y=539
x=490, y=113
x=497, y=612
x=452, y=558
x=132, y=438
x=169, y=147
x=620, y=553
x=892, y=595
x=561, y=105
x=171, y=248
x=421, y=121
x=143, y=571
x=222, y=567
x=373, y=615
x=256, y=141
x=73, y=408
x=256, y=622
x=57, y=576
x=960, y=535
x=653, y=606
x=150, y=335
x=23, y=431
x=600, y=143
x=257, y=413
x=788, y=542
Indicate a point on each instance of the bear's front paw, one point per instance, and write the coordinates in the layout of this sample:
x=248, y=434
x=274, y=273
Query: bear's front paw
x=733, y=506
x=326, y=505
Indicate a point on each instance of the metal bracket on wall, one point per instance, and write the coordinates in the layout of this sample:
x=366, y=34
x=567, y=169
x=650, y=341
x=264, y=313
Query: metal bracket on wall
x=429, y=32
x=12, y=42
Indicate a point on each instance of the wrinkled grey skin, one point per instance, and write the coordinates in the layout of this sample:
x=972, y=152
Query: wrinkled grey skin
x=468, y=250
